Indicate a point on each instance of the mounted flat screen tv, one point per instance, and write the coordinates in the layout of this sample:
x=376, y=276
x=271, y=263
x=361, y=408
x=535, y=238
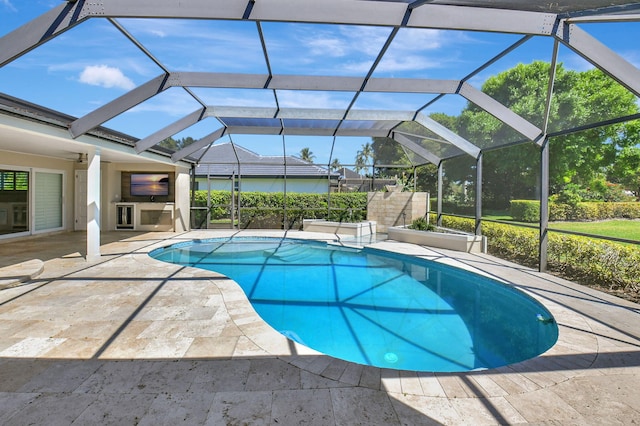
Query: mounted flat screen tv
x=149, y=184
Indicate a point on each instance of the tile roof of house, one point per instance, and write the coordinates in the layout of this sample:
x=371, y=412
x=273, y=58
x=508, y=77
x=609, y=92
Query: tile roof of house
x=349, y=174
x=222, y=160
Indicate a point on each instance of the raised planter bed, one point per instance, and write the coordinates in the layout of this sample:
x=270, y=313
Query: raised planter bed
x=451, y=241
x=357, y=229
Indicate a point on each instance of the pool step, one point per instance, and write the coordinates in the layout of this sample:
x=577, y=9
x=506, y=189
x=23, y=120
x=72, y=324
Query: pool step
x=288, y=254
x=294, y=257
x=282, y=250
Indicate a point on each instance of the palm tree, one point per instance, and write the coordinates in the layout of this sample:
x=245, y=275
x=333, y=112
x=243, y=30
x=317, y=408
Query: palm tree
x=360, y=164
x=335, y=165
x=367, y=152
x=364, y=157
x=307, y=155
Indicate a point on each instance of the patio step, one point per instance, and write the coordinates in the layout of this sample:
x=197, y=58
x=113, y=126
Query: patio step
x=13, y=275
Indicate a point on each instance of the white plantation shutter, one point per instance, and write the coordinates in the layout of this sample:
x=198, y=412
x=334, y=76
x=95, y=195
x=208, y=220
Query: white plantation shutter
x=48, y=201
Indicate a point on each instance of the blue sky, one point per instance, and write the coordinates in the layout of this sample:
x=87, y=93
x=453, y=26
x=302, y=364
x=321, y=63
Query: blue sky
x=94, y=64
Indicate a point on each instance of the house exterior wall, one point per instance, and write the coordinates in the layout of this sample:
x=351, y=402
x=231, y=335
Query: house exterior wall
x=112, y=195
x=183, y=200
x=35, y=163
x=110, y=187
x=250, y=184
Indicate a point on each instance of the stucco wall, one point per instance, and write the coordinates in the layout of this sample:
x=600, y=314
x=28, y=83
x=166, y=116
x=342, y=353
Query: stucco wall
x=110, y=186
x=36, y=163
x=183, y=201
x=306, y=186
x=112, y=194
x=387, y=208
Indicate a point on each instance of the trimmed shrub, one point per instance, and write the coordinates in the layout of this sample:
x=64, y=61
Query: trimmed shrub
x=221, y=199
x=456, y=208
x=525, y=210
x=460, y=223
x=585, y=260
x=348, y=207
x=217, y=197
x=589, y=211
x=421, y=224
x=529, y=211
x=627, y=210
x=266, y=210
x=592, y=261
x=505, y=241
x=560, y=212
x=594, y=211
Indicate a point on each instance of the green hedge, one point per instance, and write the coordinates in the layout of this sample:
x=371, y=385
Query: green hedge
x=525, y=210
x=265, y=210
x=529, y=211
x=596, y=211
x=586, y=260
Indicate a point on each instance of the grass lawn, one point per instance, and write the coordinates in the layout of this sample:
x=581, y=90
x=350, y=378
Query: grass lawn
x=618, y=228
x=498, y=216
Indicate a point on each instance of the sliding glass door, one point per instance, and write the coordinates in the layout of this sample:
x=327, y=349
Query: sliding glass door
x=31, y=201
x=47, y=206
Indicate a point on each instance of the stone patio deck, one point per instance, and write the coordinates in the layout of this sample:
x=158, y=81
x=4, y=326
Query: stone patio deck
x=131, y=340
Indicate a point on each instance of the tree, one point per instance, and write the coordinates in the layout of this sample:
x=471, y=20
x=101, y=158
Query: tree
x=387, y=151
x=579, y=98
x=427, y=179
x=335, y=165
x=176, y=144
x=626, y=170
x=364, y=158
x=170, y=143
x=307, y=155
x=360, y=163
x=448, y=121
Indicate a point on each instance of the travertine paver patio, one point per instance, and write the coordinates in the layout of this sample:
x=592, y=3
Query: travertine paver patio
x=131, y=340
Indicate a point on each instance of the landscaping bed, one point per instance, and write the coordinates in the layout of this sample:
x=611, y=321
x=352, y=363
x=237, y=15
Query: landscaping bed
x=440, y=239
x=608, y=266
x=357, y=229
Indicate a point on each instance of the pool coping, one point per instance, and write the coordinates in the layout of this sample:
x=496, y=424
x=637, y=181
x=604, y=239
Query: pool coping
x=537, y=373
x=132, y=338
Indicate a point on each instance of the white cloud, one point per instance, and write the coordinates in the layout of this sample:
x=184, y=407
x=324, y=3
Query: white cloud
x=416, y=39
x=105, y=76
x=294, y=99
x=345, y=41
x=411, y=50
x=396, y=63
x=328, y=46
x=7, y=4
x=368, y=40
x=172, y=102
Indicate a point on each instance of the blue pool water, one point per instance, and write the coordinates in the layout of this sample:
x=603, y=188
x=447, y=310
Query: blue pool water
x=377, y=308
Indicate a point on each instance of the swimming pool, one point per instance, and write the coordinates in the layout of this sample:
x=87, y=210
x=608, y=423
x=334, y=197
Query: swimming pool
x=375, y=307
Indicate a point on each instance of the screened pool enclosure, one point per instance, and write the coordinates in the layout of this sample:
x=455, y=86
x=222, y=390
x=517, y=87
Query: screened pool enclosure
x=435, y=96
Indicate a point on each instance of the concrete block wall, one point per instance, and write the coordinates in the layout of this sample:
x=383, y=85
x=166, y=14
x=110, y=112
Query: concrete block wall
x=387, y=208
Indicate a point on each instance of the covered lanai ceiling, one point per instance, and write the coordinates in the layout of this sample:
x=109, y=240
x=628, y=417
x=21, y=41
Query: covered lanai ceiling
x=212, y=68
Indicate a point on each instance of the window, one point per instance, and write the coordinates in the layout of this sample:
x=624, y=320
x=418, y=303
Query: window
x=14, y=201
x=14, y=180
